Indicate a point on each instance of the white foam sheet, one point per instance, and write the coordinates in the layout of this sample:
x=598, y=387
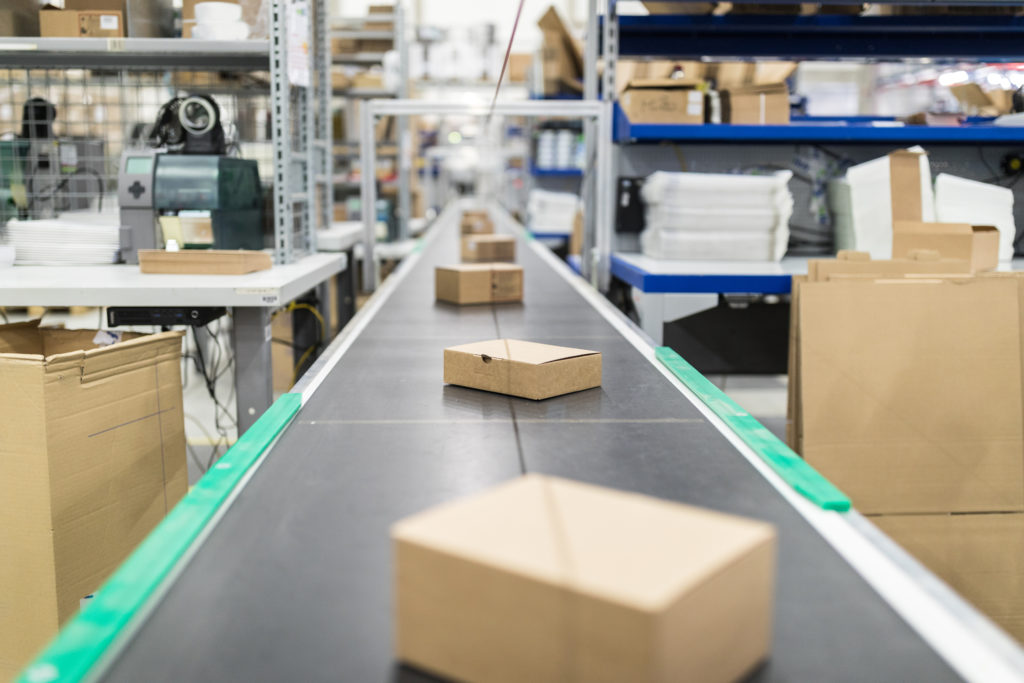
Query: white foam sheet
x=960, y=200
x=725, y=246
x=73, y=238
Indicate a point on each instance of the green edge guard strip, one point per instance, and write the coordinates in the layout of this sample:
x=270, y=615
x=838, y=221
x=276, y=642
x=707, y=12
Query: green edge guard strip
x=780, y=457
x=418, y=247
x=81, y=643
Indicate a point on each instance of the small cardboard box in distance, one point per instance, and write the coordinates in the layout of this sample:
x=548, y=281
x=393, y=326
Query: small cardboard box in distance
x=479, y=283
x=548, y=580
x=980, y=556
x=476, y=223
x=756, y=104
x=69, y=23
x=522, y=368
x=92, y=456
x=488, y=248
x=663, y=100
x=977, y=244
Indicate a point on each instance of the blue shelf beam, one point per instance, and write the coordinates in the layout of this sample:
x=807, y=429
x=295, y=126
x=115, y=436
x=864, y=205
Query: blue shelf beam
x=810, y=131
x=693, y=283
x=950, y=37
x=556, y=172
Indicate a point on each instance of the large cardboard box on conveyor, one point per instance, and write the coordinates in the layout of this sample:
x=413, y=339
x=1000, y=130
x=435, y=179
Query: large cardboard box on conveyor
x=92, y=456
x=548, y=580
x=479, y=283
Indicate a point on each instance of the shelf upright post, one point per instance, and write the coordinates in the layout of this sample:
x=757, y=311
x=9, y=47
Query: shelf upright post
x=402, y=126
x=281, y=121
x=588, y=190
x=320, y=189
x=368, y=191
x=596, y=257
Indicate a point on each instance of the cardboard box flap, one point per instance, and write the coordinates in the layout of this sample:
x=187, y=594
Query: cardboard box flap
x=546, y=528
x=21, y=339
x=663, y=83
x=906, y=184
x=551, y=23
x=773, y=72
x=920, y=227
x=520, y=351
x=759, y=89
x=480, y=267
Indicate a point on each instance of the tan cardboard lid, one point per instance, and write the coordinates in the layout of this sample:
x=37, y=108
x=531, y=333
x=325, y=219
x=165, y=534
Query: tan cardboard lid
x=758, y=89
x=520, y=351
x=478, y=267
x=905, y=185
x=489, y=238
x=624, y=547
x=663, y=83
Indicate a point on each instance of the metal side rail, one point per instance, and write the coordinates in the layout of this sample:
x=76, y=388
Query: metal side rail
x=286, y=574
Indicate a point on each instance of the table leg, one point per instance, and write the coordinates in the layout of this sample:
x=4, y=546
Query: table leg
x=254, y=388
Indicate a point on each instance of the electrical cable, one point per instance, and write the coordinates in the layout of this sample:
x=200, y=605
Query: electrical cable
x=504, y=64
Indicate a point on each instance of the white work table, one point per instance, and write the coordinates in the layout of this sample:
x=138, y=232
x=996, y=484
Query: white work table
x=253, y=297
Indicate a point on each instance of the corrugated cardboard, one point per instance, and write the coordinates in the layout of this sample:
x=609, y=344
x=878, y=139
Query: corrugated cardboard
x=756, y=104
x=522, y=368
x=56, y=23
x=519, y=67
x=910, y=391
x=576, y=237
x=561, y=54
x=977, y=244
x=663, y=100
x=203, y=261
x=92, y=456
x=19, y=18
x=479, y=283
x=983, y=103
x=488, y=248
x=979, y=556
x=476, y=223
x=548, y=580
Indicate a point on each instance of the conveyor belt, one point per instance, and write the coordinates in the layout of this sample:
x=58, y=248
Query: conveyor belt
x=294, y=582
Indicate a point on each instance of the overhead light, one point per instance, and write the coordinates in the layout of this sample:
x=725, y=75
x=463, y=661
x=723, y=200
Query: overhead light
x=454, y=138
x=953, y=78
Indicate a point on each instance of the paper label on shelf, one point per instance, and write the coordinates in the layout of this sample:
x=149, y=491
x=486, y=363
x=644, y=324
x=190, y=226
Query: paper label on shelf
x=115, y=44
x=298, y=44
x=268, y=295
x=108, y=22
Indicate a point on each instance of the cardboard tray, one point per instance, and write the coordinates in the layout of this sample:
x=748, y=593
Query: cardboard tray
x=203, y=261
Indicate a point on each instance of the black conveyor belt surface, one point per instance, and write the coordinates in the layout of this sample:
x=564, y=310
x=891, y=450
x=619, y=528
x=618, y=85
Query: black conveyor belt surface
x=294, y=582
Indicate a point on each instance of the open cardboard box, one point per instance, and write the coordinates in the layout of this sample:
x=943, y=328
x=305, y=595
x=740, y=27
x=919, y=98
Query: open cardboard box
x=756, y=104
x=548, y=580
x=976, y=244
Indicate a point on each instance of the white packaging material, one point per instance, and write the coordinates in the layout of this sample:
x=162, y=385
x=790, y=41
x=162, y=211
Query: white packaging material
x=870, y=199
x=64, y=241
x=717, y=216
x=6, y=255
x=959, y=200
x=552, y=212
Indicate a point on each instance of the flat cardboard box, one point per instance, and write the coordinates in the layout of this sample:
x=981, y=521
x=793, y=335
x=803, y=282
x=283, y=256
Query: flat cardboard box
x=203, y=261
x=479, y=283
x=979, y=556
x=488, y=248
x=978, y=244
x=522, y=368
x=476, y=223
x=56, y=23
x=663, y=100
x=92, y=456
x=910, y=391
x=548, y=580
x=756, y=104
x=142, y=18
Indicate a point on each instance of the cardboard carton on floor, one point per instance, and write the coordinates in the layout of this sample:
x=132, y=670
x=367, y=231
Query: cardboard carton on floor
x=479, y=283
x=92, y=456
x=977, y=244
x=522, y=368
x=488, y=248
x=756, y=104
x=979, y=556
x=476, y=223
x=910, y=391
x=663, y=100
x=544, y=580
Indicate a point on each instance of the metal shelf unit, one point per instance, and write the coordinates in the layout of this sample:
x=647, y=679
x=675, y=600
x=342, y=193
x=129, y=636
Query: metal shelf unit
x=299, y=112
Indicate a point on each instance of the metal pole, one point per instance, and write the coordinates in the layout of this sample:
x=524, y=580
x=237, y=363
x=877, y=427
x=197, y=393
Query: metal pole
x=402, y=126
x=280, y=114
x=368, y=192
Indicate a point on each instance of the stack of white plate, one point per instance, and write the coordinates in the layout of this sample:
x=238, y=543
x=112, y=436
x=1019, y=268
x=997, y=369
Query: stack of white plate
x=717, y=216
x=63, y=241
x=552, y=212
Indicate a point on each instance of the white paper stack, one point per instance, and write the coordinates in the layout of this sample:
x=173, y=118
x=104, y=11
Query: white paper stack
x=71, y=239
x=959, y=200
x=717, y=216
x=861, y=206
x=552, y=212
